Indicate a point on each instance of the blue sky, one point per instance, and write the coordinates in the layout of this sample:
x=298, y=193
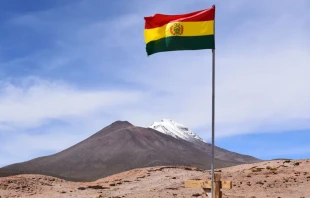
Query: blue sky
x=69, y=68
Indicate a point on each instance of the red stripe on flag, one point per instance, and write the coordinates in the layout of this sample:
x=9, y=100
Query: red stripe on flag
x=159, y=20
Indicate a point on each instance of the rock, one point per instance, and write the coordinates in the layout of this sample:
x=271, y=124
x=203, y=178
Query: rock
x=81, y=188
x=196, y=195
x=97, y=187
x=172, y=188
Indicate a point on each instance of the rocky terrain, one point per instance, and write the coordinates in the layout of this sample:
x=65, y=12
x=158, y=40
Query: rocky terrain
x=279, y=178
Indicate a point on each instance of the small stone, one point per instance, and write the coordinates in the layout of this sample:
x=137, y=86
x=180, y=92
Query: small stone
x=96, y=187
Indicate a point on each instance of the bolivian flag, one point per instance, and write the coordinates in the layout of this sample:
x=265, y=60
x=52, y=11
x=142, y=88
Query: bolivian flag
x=191, y=31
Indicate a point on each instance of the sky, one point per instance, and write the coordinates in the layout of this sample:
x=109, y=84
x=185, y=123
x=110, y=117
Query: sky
x=69, y=68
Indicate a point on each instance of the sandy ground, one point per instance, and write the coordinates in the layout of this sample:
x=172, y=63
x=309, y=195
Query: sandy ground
x=284, y=179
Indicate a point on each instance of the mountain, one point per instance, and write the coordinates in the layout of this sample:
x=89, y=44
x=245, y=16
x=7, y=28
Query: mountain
x=180, y=131
x=119, y=147
x=176, y=130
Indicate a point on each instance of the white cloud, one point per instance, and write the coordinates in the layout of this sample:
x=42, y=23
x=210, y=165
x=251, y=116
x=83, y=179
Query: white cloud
x=38, y=101
x=22, y=145
x=261, y=68
x=262, y=76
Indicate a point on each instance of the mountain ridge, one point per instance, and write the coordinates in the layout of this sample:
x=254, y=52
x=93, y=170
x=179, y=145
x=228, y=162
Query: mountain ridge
x=118, y=147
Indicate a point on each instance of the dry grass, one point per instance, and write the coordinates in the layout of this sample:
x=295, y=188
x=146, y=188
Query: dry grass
x=271, y=168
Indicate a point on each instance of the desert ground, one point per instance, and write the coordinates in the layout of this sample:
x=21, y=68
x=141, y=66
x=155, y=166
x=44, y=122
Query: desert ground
x=279, y=178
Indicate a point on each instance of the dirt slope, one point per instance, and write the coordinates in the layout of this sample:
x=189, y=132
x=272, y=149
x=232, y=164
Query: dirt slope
x=285, y=179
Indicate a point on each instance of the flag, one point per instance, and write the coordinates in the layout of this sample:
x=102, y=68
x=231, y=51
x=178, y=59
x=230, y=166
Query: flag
x=191, y=31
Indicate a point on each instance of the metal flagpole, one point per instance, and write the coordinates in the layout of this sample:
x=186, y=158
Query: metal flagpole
x=213, y=111
x=213, y=115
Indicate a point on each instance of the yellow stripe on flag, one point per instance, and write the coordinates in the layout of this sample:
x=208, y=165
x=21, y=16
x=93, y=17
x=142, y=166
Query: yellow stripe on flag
x=200, y=28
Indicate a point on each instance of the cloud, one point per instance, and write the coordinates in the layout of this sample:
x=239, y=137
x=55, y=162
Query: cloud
x=22, y=145
x=252, y=86
x=36, y=101
x=40, y=117
x=261, y=76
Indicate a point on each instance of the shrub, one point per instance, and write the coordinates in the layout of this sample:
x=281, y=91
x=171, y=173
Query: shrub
x=256, y=170
x=271, y=168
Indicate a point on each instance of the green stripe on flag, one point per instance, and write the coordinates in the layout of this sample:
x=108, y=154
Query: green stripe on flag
x=174, y=43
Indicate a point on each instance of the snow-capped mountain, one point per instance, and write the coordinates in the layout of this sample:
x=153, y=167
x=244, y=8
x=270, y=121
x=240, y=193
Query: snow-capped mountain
x=175, y=130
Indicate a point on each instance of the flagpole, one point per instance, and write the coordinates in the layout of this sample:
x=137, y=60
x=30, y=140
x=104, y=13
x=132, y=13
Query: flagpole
x=213, y=115
x=213, y=112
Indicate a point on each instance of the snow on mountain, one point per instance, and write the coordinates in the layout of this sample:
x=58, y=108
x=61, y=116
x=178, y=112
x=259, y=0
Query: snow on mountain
x=175, y=130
